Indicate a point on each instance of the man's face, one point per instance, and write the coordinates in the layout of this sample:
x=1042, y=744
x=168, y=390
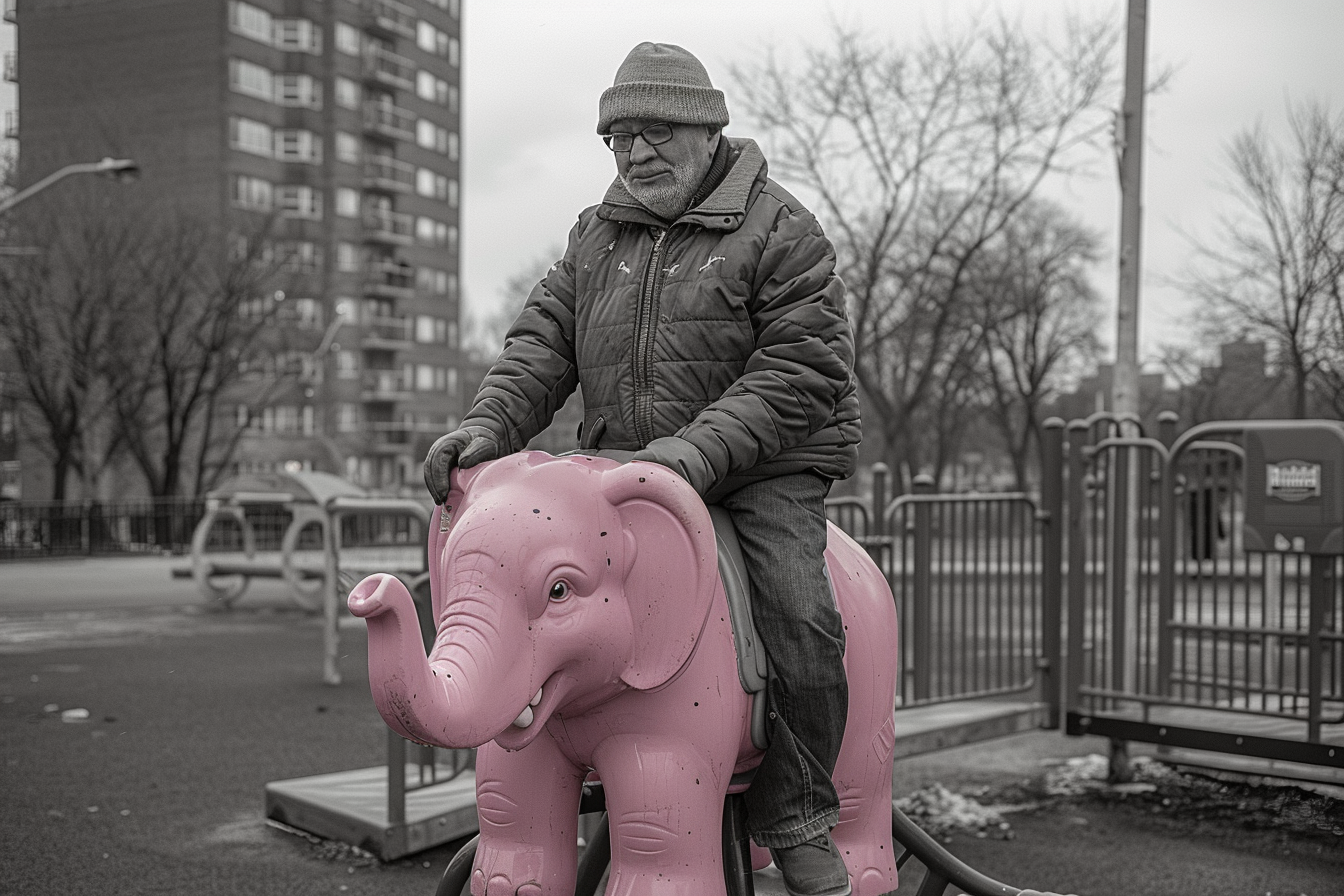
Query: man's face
x=665, y=177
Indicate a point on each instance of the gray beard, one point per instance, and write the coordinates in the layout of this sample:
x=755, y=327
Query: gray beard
x=669, y=201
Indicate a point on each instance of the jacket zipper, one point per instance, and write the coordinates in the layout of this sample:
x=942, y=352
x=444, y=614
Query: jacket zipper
x=646, y=323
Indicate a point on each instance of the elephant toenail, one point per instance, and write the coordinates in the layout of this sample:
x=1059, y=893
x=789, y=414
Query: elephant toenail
x=529, y=890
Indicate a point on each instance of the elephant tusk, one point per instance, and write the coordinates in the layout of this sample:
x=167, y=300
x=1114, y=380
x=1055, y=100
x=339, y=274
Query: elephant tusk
x=525, y=717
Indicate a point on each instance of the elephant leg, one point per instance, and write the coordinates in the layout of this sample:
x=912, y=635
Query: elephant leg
x=863, y=836
x=665, y=807
x=528, y=806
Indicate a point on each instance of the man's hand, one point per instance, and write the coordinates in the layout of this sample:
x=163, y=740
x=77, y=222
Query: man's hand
x=464, y=447
x=682, y=458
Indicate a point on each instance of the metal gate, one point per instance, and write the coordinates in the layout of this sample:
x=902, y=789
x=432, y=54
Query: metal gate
x=1177, y=633
x=976, y=578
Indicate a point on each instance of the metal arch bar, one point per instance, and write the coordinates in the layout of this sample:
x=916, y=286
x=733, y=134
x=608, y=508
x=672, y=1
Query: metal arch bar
x=942, y=869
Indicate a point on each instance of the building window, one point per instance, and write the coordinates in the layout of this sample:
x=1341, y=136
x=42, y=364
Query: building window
x=431, y=136
x=428, y=87
x=252, y=193
x=429, y=378
x=299, y=202
x=348, y=258
x=432, y=281
x=431, y=184
x=250, y=136
x=307, y=312
x=347, y=202
x=302, y=257
x=431, y=330
x=293, y=145
x=347, y=148
x=347, y=365
x=298, y=90
x=347, y=39
x=430, y=232
x=454, y=52
x=251, y=79
x=431, y=39
x=250, y=21
x=453, y=147
x=452, y=193
x=298, y=35
x=348, y=93
x=347, y=418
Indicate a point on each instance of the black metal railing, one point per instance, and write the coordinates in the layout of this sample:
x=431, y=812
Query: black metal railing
x=33, y=529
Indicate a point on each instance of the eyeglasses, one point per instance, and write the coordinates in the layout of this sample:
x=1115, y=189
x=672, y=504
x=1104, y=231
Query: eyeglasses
x=653, y=135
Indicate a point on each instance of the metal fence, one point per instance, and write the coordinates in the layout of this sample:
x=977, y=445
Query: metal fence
x=32, y=529
x=976, y=579
x=1178, y=634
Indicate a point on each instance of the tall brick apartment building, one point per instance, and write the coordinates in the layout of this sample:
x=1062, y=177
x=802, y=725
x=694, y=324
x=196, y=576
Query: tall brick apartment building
x=338, y=118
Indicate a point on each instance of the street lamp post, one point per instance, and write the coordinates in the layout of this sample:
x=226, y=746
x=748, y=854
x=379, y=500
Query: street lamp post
x=121, y=169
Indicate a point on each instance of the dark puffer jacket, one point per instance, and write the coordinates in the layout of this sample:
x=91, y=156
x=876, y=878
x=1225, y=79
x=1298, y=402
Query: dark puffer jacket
x=719, y=344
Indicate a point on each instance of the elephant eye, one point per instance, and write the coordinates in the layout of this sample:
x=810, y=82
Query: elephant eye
x=560, y=590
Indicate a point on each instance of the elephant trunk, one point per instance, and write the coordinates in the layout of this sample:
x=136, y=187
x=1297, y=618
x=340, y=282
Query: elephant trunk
x=418, y=701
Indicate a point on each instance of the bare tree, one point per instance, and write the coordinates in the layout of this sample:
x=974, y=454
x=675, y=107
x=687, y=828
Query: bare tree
x=918, y=158
x=63, y=299
x=126, y=324
x=206, y=306
x=1274, y=269
x=1040, y=318
x=488, y=329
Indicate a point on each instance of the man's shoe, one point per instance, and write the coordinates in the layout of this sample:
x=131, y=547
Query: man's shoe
x=814, y=868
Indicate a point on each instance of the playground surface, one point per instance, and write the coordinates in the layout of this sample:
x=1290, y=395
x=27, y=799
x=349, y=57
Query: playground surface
x=138, y=731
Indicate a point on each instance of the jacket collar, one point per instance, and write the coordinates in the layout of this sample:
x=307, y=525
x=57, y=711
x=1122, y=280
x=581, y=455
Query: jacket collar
x=723, y=209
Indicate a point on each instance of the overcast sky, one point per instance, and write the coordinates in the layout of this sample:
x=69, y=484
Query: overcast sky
x=533, y=71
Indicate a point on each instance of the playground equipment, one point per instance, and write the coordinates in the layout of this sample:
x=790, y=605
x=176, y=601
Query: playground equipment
x=420, y=797
x=1217, y=633
x=266, y=525
x=582, y=626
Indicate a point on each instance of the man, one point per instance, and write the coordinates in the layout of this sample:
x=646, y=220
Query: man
x=699, y=309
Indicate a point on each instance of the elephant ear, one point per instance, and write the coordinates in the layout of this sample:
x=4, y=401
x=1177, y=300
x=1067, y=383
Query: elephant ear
x=671, y=579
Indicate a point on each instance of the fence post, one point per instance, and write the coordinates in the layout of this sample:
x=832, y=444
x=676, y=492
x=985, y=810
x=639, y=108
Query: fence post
x=1166, y=427
x=921, y=603
x=881, y=493
x=331, y=598
x=1052, y=567
x=1075, y=601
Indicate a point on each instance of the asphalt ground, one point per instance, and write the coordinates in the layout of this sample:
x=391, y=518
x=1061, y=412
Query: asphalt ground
x=155, y=782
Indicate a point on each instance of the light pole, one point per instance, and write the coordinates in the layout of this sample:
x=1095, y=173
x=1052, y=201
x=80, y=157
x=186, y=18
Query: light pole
x=120, y=169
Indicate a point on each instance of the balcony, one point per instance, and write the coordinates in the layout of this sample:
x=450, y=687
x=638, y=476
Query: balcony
x=12, y=124
x=389, y=333
x=388, y=227
x=388, y=18
x=382, y=172
x=389, y=121
x=389, y=279
x=11, y=66
x=11, y=11
x=385, y=385
x=396, y=437
x=382, y=66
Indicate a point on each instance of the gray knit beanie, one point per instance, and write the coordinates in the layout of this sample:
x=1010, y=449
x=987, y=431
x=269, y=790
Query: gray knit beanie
x=665, y=83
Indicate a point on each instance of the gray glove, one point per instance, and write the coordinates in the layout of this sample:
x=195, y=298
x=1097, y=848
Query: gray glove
x=464, y=447
x=683, y=458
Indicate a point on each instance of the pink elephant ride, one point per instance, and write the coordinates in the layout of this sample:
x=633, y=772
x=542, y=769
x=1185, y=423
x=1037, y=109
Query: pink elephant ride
x=584, y=631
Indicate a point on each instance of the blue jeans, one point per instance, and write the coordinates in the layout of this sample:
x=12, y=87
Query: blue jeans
x=781, y=524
